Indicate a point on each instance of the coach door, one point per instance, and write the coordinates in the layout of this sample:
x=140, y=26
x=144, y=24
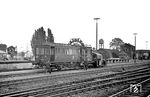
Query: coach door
x=52, y=54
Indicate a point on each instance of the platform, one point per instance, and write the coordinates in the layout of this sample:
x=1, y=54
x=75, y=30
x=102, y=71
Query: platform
x=28, y=73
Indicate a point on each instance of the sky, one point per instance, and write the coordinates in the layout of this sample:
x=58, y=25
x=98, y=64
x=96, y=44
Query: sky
x=74, y=19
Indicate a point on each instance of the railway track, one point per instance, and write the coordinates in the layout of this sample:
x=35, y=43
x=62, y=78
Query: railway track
x=49, y=77
x=70, y=88
x=142, y=91
x=38, y=79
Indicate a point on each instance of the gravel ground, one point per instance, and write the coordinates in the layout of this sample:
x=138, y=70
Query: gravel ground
x=13, y=66
x=30, y=85
x=59, y=81
x=105, y=92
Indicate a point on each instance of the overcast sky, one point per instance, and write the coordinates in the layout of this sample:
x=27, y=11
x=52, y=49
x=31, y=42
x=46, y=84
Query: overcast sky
x=74, y=19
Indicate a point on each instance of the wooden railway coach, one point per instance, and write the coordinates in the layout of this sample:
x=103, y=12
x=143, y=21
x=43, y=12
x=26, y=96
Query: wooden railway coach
x=61, y=55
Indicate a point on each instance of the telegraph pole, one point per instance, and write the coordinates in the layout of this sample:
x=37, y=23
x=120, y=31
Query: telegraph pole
x=96, y=19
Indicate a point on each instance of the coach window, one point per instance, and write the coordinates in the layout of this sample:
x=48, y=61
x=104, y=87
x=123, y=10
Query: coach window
x=73, y=51
x=63, y=50
x=42, y=51
x=52, y=51
x=46, y=51
x=66, y=52
x=49, y=51
x=37, y=51
x=78, y=51
x=56, y=50
x=70, y=51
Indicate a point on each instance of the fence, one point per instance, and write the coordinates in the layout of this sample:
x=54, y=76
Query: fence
x=117, y=60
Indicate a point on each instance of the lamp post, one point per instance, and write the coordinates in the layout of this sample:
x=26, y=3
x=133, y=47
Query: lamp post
x=135, y=46
x=96, y=19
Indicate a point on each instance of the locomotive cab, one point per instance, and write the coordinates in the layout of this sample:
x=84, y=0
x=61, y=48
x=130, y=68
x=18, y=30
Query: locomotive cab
x=97, y=59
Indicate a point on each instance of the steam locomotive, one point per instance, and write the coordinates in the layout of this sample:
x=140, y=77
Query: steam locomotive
x=58, y=56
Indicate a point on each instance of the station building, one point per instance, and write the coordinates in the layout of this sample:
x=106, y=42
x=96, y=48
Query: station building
x=3, y=51
x=126, y=51
x=143, y=54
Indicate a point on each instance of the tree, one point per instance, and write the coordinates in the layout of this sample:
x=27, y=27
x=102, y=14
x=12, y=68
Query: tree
x=116, y=43
x=128, y=49
x=12, y=51
x=50, y=37
x=40, y=37
x=3, y=47
x=22, y=53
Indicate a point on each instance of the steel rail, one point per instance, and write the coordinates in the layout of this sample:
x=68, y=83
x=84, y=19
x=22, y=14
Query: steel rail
x=28, y=80
x=80, y=84
x=20, y=74
x=127, y=89
x=65, y=94
x=88, y=79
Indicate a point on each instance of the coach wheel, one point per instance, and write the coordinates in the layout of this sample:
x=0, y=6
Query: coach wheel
x=95, y=64
x=49, y=70
x=81, y=65
x=58, y=68
x=98, y=63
